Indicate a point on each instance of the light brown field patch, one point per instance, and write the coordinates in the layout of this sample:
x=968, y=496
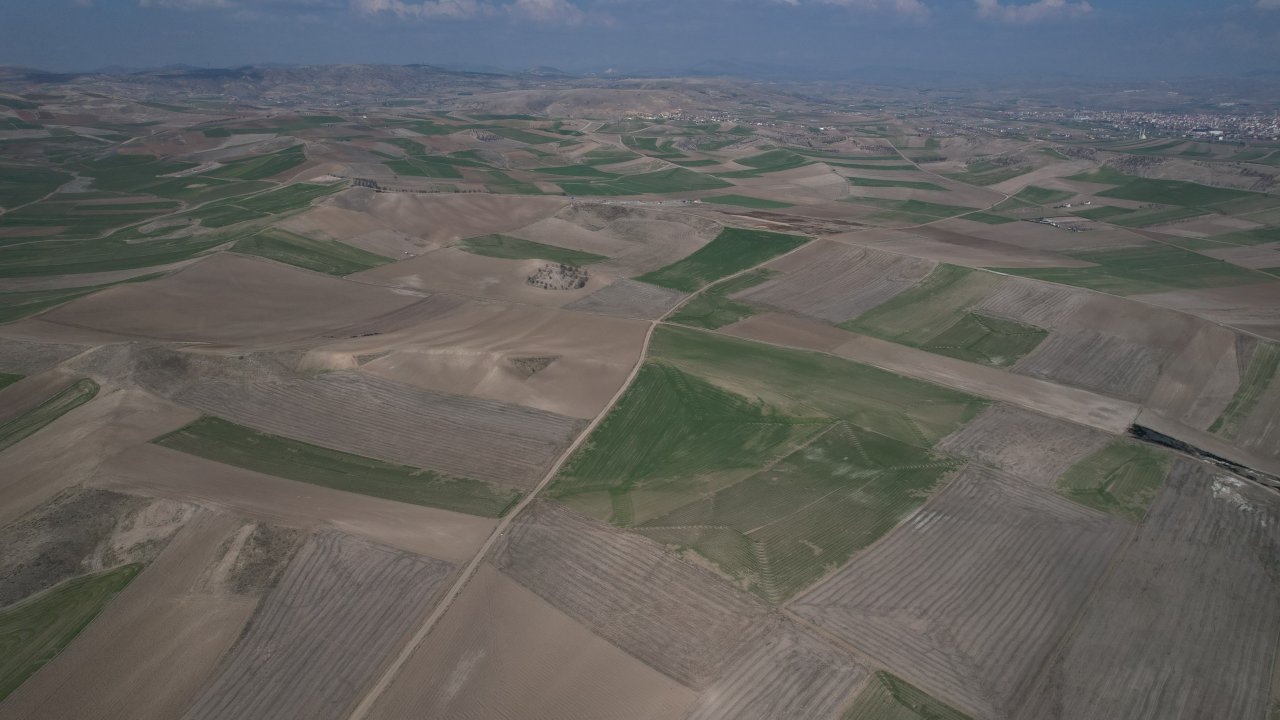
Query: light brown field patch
x=1039, y=176
x=629, y=298
x=1028, y=445
x=1258, y=256
x=359, y=229
x=1044, y=238
x=1079, y=406
x=443, y=218
x=957, y=248
x=1185, y=626
x=1253, y=308
x=1197, y=383
x=635, y=239
x=232, y=299
x=1207, y=226
x=148, y=654
x=502, y=653
x=29, y=392
x=971, y=595
x=154, y=470
x=27, y=357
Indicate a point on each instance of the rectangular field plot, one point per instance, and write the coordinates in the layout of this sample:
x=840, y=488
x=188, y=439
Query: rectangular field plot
x=969, y=597
x=321, y=255
x=628, y=298
x=786, y=674
x=1122, y=479
x=891, y=698
x=678, y=619
x=713, y=308
x=834, y=282
x=1095, y=361
x=733, y=250
x=1028, y=445
x=1185, y=626
x=340, y=608
x=226, y=442
x=781, y=529
x=510, y=248
x=936, y=315
x=34, y=630
x=1263, y=370
x=1147, y=269
x=368, y=416
x=503, y=653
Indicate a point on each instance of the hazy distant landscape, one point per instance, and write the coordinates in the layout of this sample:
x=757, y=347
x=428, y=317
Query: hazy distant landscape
x=394, y=391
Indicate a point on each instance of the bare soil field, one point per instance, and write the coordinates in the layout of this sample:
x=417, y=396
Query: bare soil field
x=148, y=654
x=503, y=653
x=968, y=598
x=29, y=392
x=1196, y=385
x=1252, y=308
x=787, y=674
x=679, y=619
x=455, y=271
x=1045, y=238
x=366, y=415
x=562, y=362
x=635, y=239
x=25, y=357
x=359, y=229
x=69, y=449
x=232, y=299
x=1080, y=406
x=1033, y=303
x=1027, y=445
x=152, y=470
x=629, y=298
x=1091, y=360
x=1186, y=625
x=812, y=182
x=1256, y=257
x=341, y=607
x=444, y=218
x=835, y=282
x=958, y=249
x=1040, y=175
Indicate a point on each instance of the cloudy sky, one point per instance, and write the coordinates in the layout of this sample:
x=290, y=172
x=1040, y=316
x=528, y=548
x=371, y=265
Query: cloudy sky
x=1117, y=38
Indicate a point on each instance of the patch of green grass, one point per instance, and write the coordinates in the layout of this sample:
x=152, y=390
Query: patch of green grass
x=1102, y=213
x=20, y=185
x=1264, y=367
x=129, y=173
x=283, y=200
x=67, y=257
x=35, y=630
x=705, y=162
x=887, y=697
x=733, y=250
x=779, y=530
x=1105, y=175
x=325, y=256
x=432, y=167
x=226, y=442
x=7, y=379
x=1257, y=236
x=586, y=171
x=989, y=172
x=989, y=218
x=1172, y=192
x=660, y=182
x=713, y=309
x=869, y=166
x=774, y=161
x=807, y=383
x=1122, y=479
x=510, y=248
x=671, y=436
x=1043, y=196
x=524, y=136
x=61, y=403
x=263, y=166
x=17, y=305
x=608, y=156
x=1145, y=269
x=936, y=315
x=746, y=201
x=880, y=183
x=503, y=184
x=77, y=220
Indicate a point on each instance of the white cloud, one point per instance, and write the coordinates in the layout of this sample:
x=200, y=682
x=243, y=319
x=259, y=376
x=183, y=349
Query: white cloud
x=909, y=8
x=541, y=11
x=1036, y=11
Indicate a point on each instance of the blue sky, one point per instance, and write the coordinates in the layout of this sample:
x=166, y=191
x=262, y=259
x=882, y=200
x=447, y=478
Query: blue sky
x=855, y=38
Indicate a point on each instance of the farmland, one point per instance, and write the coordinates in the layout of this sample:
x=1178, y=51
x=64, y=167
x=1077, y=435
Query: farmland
x=733, y=250
x=64, y=401
x=713, y=308
x=891, y=698
x=1122, y=478
x=326, y=256
x=237, y=445
x=503, y=246
x=1145, y=270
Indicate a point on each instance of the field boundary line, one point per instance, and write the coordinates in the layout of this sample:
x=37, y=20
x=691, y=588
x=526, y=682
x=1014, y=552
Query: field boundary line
x=366, y=703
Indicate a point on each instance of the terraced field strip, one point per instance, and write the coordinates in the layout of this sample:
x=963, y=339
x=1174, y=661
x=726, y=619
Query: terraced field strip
x=1206, y=551
x=66, y=400
x=321, y=255
x=1264, y=369
x=1122, y=479
x=732, y=251
x=1143, y=270
x=888, y=697
x=226, y=442
x=35, y=630
x=510, y=248
x=1095, y=361
x=341, y=607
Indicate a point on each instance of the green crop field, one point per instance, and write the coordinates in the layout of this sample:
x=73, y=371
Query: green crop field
x=60, y=257
x=887, y=697
x=1257, y=236
x=510, y=248
x=870, y=166
x=1122, y=479
x=7, y=379
x=326, y=256
x=608, y=156
x=264, y=166
x=733, y=250
x=774, y=160
x=274, y=202
x=910, y=184
x=129, y=173
x=989, y=218
x=1172, y=192
x=61, y=403
x=807, y=383
x=989, y=172
x=503, y=184
x=713, y=309
x=35, y=630
x=524, y=136
x=1148, y=269
x=935, y=316
x=586, y=171
x=1264, y=367
x=78, y=220
x=671, y=180
x=780, y=529
x=20, y=185
x=1101, y=212
x=672, y=437
x=1043, y=196
x=746, y=201
x=17, y=305
x=226, y=442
